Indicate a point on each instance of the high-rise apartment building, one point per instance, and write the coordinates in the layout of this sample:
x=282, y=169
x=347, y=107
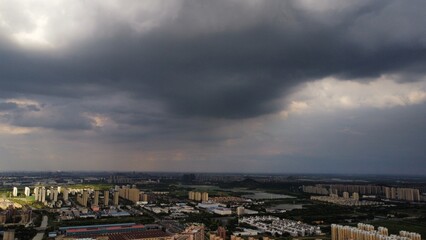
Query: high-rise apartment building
x=197, y=196
x=205, y=197
x=116, y=197
x=27, y=191
x=82, y=198
x=43, y=195
x=9, y=234
x=355, y=196
x=55, y=195
x=96, y=198
x=145, y=197
x=132, y=194
x=106, y=198
x=194, y=232
x=36, y=193
x=85, y=197
x=191, y=195
x=240, y=210
x=65, y=193
x=367, y=232
x=221, y=231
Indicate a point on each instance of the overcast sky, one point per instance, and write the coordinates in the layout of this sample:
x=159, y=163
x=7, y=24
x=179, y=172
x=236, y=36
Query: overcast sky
x=213, y=86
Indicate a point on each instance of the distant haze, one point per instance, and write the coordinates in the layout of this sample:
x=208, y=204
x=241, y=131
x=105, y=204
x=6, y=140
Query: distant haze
x=213, y=86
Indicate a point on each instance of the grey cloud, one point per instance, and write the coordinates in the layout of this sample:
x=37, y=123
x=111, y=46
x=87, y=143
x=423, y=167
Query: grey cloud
x=60, y=120
x=386, y=141
x=8, y=106
x=208, y=62
x=52, y=116
x=33, y=108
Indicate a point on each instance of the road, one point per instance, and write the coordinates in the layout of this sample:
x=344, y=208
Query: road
x=41, y=229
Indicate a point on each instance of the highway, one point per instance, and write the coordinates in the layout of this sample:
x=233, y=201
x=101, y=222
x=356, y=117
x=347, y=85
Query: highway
x=41, y=229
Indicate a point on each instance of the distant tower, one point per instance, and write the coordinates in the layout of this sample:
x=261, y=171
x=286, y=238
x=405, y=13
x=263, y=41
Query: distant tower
x=116, y=196
x=9, y=234
x=39, y=194
x=85, y=198
x=134, y=195
x=96, y=200
x=355, y=196
x=145, y=197
x=106, y=198
x=51, y=193
x=191, y=195
x=65, y=194
x=197, y=196
x=240, y=211
x=27, y=191
x=334, y=232
x=36, y=193
x=345, y=195
x=221, y=231
x=55, y=195
x=205, y=197
x=383, y=231
x=15, y=192
x=43, y=194
x=195, y=232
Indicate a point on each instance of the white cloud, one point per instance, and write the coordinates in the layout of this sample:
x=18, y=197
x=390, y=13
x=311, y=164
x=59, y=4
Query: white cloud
x=12, y=130
x=45, y=23
x=23, y=102
x=331, y=94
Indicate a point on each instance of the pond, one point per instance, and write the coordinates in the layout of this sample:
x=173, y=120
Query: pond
x=287, y=206
x=264, y=195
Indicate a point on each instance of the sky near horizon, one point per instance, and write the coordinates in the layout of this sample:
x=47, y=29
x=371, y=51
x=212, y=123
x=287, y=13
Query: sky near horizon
x=213, y=86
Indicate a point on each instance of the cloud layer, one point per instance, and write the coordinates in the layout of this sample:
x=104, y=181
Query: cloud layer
x=194, y=83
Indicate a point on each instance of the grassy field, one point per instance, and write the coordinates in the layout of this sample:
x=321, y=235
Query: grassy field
x=96, y=186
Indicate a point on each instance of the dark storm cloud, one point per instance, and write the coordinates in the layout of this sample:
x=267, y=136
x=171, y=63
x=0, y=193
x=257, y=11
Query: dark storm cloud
x=58, y=117
x=223, y=59
x=59, y=120
x=7, y=106
x=362, y=141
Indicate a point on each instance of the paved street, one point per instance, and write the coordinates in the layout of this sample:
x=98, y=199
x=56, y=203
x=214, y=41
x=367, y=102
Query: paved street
x=41, y=229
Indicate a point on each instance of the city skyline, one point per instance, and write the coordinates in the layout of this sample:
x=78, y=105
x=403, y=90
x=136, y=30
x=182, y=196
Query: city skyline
x=222, y=86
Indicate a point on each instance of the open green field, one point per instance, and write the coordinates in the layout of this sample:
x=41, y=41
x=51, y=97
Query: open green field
x=96, y=186
x=23, y=200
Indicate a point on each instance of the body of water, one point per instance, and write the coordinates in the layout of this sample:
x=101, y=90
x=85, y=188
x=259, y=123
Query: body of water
x=287, y=206
x=264, y=195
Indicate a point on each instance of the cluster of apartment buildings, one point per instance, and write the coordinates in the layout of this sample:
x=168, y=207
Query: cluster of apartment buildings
x=127, y=231
x=367, y=189
x=406, y=194
x=129, y=193
x=13, y=215
x=368, y=232
x=55, y=196
x=346, y=200
x=233, y=237
x=27, y=191
x=50, y=195
x=393, y=193
x=317, y=189
x=275, y=225
x=198, y=196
